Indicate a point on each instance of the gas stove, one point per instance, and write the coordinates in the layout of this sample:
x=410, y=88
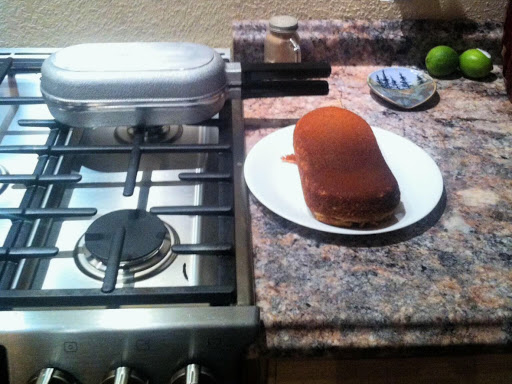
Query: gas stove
x=126, y=250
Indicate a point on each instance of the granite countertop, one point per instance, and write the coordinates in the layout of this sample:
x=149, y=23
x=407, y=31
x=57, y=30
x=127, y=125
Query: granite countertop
x=445, y=281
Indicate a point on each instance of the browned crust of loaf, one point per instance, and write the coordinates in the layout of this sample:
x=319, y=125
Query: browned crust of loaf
x=344, y=177
x=353, y=221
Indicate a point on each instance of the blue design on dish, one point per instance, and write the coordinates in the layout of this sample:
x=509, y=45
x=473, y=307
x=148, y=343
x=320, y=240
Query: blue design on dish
x=404, y=87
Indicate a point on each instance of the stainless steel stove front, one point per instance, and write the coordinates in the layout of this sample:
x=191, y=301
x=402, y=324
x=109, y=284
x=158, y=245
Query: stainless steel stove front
x=155, y=342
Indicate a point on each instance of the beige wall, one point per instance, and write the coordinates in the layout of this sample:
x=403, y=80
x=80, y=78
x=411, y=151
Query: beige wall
x=55, y=23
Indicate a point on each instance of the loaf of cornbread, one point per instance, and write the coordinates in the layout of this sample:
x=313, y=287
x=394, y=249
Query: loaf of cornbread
x=344, y=177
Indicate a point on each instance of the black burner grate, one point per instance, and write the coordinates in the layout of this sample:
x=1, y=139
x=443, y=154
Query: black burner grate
x=32, y=207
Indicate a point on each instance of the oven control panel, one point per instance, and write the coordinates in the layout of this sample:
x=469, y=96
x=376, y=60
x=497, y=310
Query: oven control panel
x=127, y=346
x=190, y=374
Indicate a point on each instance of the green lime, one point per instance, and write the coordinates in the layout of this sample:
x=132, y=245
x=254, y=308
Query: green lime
x=442, y=60
x=475, y=63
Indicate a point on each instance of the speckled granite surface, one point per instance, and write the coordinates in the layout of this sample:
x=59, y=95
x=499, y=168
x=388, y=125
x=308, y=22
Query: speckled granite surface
x=383, y=42
x=445, y=281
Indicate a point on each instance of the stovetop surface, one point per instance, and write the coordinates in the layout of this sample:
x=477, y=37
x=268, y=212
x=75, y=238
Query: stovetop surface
x=59, y=180
x=103, y=178
x=158, y=185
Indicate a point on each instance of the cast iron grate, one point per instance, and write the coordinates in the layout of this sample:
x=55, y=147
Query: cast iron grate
x=32, y=208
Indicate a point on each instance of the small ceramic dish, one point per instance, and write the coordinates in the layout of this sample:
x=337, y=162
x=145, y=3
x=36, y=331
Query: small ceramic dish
x=404, y=87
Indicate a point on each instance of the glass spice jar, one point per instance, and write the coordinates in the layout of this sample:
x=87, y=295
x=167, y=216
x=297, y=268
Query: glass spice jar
x=282, y=43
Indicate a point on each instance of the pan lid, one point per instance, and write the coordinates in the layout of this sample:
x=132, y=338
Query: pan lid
x=131, y=57
x=122, y=73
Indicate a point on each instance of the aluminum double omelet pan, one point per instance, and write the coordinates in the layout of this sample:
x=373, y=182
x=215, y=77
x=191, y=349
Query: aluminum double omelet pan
x=113, y=84
x=153, y=84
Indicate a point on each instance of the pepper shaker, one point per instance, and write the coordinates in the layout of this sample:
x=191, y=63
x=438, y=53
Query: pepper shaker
x=282, y=43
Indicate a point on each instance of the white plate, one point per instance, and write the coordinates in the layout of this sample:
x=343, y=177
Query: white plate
x=276, y=184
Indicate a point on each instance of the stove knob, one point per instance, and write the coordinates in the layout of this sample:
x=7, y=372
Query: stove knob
x=124, y=375
x=52, y=376
x=193, y=374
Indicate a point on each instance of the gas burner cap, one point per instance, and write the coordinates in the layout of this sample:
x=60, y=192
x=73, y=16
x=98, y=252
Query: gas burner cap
x=159, y=134
x=3, y=171
x=146, y=249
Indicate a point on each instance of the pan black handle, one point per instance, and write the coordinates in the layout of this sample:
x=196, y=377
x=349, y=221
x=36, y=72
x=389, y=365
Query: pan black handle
x=283, y=88
x=283, y=71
